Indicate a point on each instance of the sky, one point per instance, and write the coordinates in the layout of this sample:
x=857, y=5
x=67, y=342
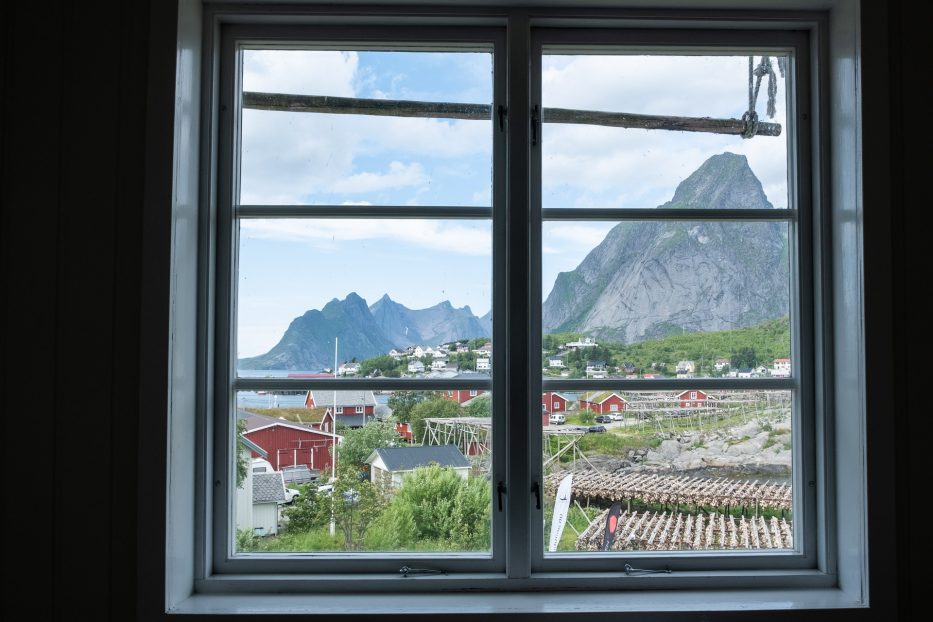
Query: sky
x=288, y=266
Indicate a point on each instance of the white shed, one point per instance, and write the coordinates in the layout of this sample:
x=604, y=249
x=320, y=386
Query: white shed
x=391, y=464
x=268, y=493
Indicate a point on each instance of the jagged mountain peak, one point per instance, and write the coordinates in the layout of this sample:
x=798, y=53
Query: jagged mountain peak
x=647, y=279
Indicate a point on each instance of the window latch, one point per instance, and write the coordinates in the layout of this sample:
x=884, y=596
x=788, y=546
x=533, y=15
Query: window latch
x=408, y=571
x=536, y=488
x=629, y=570
x=502, y=111
x=535, y=123
x=500, y=490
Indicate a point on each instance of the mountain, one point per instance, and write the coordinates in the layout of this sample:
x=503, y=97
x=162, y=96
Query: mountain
x=364, y=332
x=441, y=323
x=650, y=279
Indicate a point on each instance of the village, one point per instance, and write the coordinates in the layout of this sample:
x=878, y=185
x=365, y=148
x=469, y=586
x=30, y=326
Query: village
x=350, y=458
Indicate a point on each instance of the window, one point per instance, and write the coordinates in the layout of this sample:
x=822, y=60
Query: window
x=562, y=221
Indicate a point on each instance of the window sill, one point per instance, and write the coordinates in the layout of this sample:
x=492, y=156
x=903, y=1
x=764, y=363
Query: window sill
x=686, y=602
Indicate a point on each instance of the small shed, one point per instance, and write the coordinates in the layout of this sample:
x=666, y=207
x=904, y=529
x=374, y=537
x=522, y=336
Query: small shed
x=391, y=464
x=268, y=493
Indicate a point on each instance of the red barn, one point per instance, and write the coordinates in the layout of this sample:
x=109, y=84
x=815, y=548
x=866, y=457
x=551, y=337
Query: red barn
x=603, y=402
x=288, y=443
x=461, y=395
x=693, y=398
x=554, y=402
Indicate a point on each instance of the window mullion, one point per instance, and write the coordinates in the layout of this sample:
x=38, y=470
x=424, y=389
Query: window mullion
x=518, y=296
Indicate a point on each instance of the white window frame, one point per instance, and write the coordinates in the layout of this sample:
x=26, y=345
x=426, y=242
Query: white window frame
x=842, y=558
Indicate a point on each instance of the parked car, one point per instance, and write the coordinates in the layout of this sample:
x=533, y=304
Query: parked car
x=603, y=418
x=596, y=428
x=298, y=474
x=291, y=493
x=617, y=416
x=558, y=419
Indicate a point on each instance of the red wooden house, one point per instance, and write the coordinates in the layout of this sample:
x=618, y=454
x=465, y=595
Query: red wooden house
x=693, y=398
x=354, y=408
x=461, y=395
x=554, y=402
x=603, y=402
x=287, y=443
x=404, y=430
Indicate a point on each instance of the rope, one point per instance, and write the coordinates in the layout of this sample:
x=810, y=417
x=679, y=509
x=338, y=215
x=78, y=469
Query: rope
x=755, y=74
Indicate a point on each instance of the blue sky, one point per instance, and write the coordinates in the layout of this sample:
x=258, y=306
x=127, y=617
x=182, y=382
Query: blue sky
x=290, y=266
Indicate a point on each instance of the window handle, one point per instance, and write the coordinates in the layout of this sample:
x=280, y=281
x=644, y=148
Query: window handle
x=502, y=112
x=500, y=490
x=536, y=488
x=535, y=123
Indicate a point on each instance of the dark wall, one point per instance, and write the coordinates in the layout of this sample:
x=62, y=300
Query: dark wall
x=85, y=88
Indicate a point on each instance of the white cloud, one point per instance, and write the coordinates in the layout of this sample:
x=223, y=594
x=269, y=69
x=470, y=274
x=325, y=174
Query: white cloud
x=399, y=175
x=303, y=72
x=450, y=237
x=589, y=166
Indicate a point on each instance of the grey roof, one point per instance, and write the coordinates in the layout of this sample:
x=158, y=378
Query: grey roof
x=252, y=446
x=268, y=487
x=255, y=420
x=408, y=458
x=354, y=420
x=344, y=398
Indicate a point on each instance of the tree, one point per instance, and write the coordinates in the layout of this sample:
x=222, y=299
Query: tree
x=242, y=455
x=308, y=511
x=402, y=402
x=480, y=406
x=378, y=365
x=437, y=507
x=355, y=503
x=435, y=407
x=743, y=358
x=359, y=443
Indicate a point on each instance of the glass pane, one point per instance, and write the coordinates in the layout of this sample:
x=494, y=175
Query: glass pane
x=666, y=299
x=411, y=471
x=396, y=298
x=594, y=166
x=667, y=470
x=345, y=157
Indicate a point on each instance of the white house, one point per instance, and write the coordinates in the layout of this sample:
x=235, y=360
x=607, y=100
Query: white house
x=389, y=465
x=556, y=361
x=781, y=368
x=485, y=349
x=415, y=367
x=349, y=369
x=483, y=365
x=586, y=342
x=438, y=364
x=244, y=493
x=268, y=493
x=596, y=369
x=685, y=367
x=721, y=364
x=440, y=353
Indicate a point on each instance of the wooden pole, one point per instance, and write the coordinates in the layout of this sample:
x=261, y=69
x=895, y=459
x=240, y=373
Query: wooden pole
x=287, y=102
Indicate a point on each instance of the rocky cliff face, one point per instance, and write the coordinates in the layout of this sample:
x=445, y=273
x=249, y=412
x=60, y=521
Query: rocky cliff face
x=650, y=279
